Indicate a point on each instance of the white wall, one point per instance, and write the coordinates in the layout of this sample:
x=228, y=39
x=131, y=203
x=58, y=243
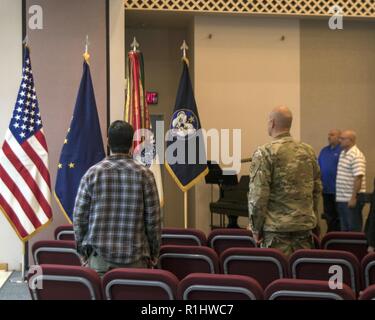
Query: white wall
x=11, y=251
x=337, y=84
x=242, y=71
x=117, y=59
x=11, y=68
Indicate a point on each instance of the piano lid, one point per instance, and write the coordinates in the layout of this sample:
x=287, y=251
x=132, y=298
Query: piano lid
x=233, y=199
x=218, y=176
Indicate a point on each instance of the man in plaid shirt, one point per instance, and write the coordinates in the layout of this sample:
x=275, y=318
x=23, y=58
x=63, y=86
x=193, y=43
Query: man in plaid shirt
x=117, y=211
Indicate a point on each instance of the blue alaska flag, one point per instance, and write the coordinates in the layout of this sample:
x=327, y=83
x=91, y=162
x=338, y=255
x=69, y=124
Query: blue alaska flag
x=185, y=140
x=83, y=146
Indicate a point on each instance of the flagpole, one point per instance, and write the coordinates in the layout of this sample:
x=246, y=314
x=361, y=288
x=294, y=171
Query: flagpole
x=186, y=209
x=135, y=45
x=24, y=259
x=25, y=245
x=23, y=266
x=184, y=48
x=86, y=55
x=25, y=41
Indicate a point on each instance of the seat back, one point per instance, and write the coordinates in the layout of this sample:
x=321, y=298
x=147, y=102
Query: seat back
x=368, y=293
x=222, y=239
x=264, y=265
x=139, y=284
x=323, y=264
x=317, y=242
x=64, y=232
x=199, y=286
x=57, y=282
x=354, y=242
x=183, y=237
x=293, y=289
x=368, y=269
x=183, y=260
x=56, y=252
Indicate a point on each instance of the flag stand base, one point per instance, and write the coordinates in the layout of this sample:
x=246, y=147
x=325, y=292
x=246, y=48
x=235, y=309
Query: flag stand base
x=19, y=280
x=22, y=279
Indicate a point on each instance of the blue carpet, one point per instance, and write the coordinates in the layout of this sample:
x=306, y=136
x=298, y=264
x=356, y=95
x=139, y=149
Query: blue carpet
x=14, y=291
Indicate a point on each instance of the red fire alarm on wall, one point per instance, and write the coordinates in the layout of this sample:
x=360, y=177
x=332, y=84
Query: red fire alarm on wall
x=152, y=97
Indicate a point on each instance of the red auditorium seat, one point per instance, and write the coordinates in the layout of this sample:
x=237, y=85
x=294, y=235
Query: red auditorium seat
x=219, y=287
x=65, y=232
x=292, y=289
x=315, y=265
x=65, y=283
x=183, y=260
x=264, y=265
x=139, y=284
x=222, y=239
x=368, y=294
x=368, y=269
x=183, y=237
x=56, y=252
x=354, y=242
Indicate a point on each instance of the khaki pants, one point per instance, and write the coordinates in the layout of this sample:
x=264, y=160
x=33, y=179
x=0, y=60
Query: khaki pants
x=97, y=263
x=288, y=242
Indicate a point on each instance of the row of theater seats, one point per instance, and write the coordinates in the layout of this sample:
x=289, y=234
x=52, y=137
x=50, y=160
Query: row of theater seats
x=56, y=282
x=222, y=239
x=234, y=252
x=264, y=265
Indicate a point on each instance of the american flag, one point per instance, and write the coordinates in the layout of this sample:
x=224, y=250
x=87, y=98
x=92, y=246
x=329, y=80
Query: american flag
x=25, y=187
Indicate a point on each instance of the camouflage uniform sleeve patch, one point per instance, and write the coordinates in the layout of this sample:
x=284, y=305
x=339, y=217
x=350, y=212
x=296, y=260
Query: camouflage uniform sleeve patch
x=318, y=187
x=259, y=188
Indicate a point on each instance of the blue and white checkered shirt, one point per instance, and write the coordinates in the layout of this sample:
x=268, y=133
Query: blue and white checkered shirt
x=117, y=211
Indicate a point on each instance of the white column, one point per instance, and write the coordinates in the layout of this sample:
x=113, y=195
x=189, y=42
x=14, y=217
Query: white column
x=117, y=59
x=11, y=251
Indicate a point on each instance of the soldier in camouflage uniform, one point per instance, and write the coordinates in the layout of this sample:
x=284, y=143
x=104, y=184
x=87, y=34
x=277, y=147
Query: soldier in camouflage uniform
x=284, y=189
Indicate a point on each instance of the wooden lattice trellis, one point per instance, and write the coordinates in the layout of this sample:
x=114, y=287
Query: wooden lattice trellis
x=350, y=8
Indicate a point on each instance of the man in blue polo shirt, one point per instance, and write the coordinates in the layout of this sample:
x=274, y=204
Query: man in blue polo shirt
x=328, y=160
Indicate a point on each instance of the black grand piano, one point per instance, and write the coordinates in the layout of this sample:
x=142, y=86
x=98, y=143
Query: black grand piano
x=233, y=195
